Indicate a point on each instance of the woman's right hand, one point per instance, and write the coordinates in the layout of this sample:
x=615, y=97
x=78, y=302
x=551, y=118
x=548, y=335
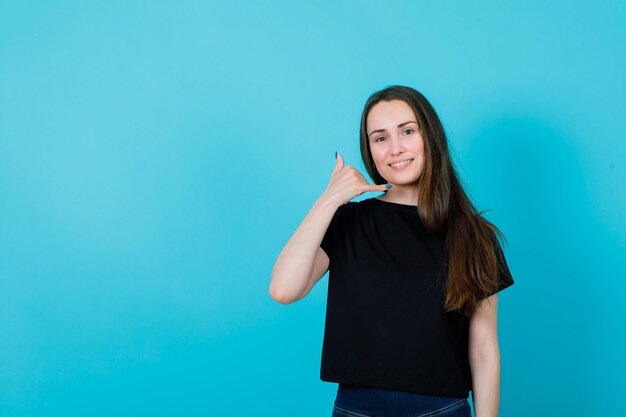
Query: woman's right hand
x=346, y=183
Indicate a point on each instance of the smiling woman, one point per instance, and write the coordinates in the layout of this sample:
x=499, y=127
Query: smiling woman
x=413, y=274
x=396, y=147
x=399, y=123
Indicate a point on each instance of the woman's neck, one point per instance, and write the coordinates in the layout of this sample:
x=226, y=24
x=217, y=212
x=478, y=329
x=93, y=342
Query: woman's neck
x=408, y=198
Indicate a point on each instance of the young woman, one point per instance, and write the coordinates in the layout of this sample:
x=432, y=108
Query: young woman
x=411, y=316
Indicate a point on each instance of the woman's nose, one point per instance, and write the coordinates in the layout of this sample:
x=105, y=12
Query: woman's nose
x=396, y=146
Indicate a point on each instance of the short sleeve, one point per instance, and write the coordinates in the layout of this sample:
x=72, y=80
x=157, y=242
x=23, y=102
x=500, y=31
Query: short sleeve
x=505, y=280
x=332, y=231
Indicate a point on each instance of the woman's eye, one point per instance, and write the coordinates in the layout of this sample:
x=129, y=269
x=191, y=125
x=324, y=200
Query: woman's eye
x=381, y=137
x=410, y=130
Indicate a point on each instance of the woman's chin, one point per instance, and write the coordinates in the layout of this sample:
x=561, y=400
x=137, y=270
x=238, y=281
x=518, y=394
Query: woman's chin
x=402, y=183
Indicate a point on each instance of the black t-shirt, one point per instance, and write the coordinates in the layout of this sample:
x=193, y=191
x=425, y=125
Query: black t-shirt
x=385, y=324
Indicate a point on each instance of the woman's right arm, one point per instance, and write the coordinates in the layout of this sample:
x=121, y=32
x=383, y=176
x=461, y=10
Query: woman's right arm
x=299, y=266
x=299, y=260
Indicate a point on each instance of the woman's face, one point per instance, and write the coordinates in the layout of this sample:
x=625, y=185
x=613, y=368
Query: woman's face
x=393, y=135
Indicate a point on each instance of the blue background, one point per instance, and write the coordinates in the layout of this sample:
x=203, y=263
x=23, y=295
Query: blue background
x=156, y=156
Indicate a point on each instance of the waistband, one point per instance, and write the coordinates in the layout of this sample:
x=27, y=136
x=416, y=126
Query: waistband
x=381, y=401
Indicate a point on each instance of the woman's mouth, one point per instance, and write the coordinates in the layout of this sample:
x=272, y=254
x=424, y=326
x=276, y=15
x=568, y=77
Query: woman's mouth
x=401, y=165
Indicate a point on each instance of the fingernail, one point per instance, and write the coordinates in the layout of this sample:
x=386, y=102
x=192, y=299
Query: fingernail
x=388, y=185
x=335, y=154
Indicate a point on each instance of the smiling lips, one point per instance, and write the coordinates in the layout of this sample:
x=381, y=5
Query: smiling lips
x=401, y=165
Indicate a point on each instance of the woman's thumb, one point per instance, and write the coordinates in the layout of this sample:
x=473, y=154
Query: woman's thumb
x=339, y=163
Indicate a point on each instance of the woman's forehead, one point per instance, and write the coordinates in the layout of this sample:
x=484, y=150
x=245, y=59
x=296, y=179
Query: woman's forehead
x=389, y=114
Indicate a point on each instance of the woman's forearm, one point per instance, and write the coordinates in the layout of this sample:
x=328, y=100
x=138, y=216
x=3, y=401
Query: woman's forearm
x=486, y=386
x=294, y=264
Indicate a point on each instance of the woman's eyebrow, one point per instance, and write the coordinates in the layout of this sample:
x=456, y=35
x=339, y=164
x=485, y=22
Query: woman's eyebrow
x=400, y=125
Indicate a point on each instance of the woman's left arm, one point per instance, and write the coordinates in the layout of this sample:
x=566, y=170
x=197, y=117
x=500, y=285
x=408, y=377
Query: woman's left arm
x=484, y=358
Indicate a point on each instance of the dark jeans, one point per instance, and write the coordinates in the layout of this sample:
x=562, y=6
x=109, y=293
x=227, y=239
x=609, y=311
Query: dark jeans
x=356, y=401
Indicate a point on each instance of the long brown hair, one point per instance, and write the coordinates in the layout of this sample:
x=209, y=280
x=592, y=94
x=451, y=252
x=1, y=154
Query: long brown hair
x=474, y=258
